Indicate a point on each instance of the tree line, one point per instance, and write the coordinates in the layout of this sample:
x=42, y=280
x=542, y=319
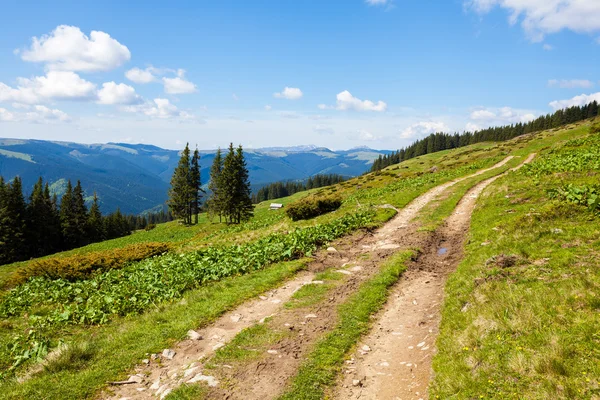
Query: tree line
x=443, y=141
x=277, y=190
x=229, y=188
x=42, y=225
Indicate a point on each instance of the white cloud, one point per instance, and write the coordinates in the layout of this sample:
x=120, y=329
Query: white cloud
x=580, y=100
x=323, y=130
x=570, y=83
x=179, y=85
x=159, y=108
x=547, y=47
x=542, y=17
x=289, y=93
x=486, y=117
x=268, y=108
x=37, y=114
x=141, y=76
x=112, y=93
x=422, y=129
x=60, y=85
x=367, y=136
x=345, y=101
x=235, y=97
x=67, y=48
x=471, y=127
x=376, y=2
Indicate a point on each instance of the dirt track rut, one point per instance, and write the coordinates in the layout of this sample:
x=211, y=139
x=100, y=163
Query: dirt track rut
x=402, y=342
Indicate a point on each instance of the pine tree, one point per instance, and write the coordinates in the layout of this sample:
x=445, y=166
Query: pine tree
x=181, y=194
x=95, y=224
x=196, y=185
x=227, y=186
x=244, y=207
x=13, y=216
x=215, y=203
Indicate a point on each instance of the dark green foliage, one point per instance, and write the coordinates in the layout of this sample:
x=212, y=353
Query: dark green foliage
x=195, y=184
x=443, y=141
x=83, y=266
x=215, y=204
x=311, y=207
x=231, y=198
x=184, y=195
x=13, y=228
x=585, y=195
x=283, y=189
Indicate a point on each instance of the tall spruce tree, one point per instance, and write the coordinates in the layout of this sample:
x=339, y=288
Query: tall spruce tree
x=234, y=187
x=95, y=224
x=181, y=193
x=40, y=227
x=245, y=209
x=196, y=184
x=12, y=222
x=215, y=205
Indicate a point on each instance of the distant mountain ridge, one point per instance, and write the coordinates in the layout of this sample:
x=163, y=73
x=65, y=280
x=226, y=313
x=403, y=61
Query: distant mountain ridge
x=135, y=177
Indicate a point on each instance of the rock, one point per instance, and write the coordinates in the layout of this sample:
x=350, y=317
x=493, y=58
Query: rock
x=210, y=380
x=155, y=385
x=557, y=231
x=272, y=351
x=310, y=316
x=161, y=389
x=190, y=371
x=331, y=250
x=235, y=318
x=433, y=169
x=153, y=356
x=263, y=297
x=165, y=393
x=356, y=269
x=343, y=271
x=136, y=379
x=168, y=354
x=145, y=361
x=314, y=283
x=356, y=382
x=141, y=389
x=193, y=335
x=218, y=346
x=366, y=348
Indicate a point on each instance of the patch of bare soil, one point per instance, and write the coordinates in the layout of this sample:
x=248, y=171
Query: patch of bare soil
x=394, y=360
x=160, y=374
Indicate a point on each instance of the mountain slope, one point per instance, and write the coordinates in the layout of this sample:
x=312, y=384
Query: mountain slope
x=135, y=178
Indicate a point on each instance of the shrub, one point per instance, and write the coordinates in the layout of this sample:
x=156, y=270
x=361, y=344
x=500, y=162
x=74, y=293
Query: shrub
x=311, y=207
x=79, y=267
x=595, y=128
x=149, y=227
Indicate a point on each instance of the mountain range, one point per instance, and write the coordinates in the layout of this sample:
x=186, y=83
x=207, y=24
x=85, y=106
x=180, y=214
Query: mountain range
x=135, y=177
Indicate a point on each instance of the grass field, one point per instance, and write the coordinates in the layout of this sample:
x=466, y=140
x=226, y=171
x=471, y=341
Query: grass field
x=121, y=341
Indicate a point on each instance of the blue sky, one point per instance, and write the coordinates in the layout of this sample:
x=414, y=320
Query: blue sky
x=340, y=74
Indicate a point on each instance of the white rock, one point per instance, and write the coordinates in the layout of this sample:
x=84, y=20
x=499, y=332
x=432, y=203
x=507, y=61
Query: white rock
x=190, y=371
x=343, y=271
x=356, y=382
x=210, y=380
x=161, y=389
x=141, y=389
x=155, y=385
x=218, y=346
x=235, y=318
x=332, y=250
x=193, y=335
x=263, y=297
x=310, y=316
x=168, y=354
x=165, y=393
x=421, y=344
x=356, y=269
x=272, y=351
x=366, y=348
x=136, y=379
x=145, y=361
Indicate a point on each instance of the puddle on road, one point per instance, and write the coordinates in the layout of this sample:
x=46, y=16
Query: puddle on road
x=442, y=251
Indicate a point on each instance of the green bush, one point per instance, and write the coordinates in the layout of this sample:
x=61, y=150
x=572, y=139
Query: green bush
x=311, y=207
x=79, y=267
x=595, y=128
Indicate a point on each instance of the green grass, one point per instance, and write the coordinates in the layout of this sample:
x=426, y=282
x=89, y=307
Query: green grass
x=324, y=362
x=308, y=295
x=530, y=329
x=187, y=392
x=127, y=340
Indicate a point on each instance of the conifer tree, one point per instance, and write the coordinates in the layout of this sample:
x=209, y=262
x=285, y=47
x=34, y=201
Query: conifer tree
x=95, y=225
x=181, y=193
x=215, y=205
x=245, y=209
x=196, y=185
x=12, y=222
x=80, y=217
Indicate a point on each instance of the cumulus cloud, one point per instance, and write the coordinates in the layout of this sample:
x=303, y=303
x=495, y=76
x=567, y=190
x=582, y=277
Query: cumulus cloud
x=159, y=108
x=345, y=101
x=570, y=83
x=67, y=48
x=141, y=76
x=268, y=108
x=112, y=93
x=486, y=117
x=422, y=129
x=367, y=136
x=471, y=127
x=289, y=93
x=580, y=100
x=36, y=114
x=323, y=130
x=59, y=85
x=542, y=17
x=377, y=2
x=179, y=85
